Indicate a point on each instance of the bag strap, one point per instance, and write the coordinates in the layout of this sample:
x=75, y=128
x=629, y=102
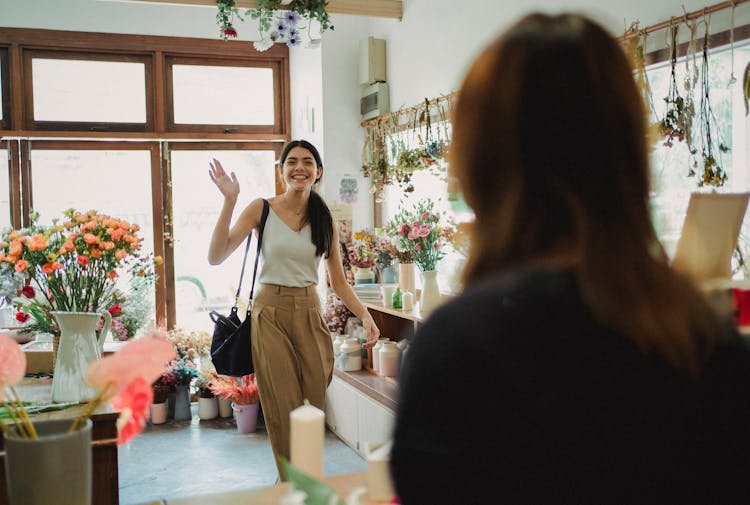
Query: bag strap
x=261, y=226
x=247, y=248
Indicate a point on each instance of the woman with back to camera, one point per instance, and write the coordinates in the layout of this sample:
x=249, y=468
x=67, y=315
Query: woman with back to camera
x=610, y=377
x=291, y=343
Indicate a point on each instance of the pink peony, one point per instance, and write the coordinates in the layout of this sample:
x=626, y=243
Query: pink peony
x=133, y=403
x=146, y=357
x=12, y=362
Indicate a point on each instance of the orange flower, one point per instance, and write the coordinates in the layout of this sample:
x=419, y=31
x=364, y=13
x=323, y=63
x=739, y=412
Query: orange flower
x=83, y=260
x=95, y=253
x=116, y=233
x=21, y=265
x=38, y=243
x=48, y=268
x=2, y=257
x=16, y=248
x=120, y=254
x=112, y=275
x=90, y=239
x=107, y=245
x=68, y=246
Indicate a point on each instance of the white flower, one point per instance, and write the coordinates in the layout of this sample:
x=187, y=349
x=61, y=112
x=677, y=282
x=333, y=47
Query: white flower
x=263, y=45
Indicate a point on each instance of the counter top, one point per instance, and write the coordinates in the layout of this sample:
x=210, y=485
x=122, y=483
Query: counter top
x=271, y=495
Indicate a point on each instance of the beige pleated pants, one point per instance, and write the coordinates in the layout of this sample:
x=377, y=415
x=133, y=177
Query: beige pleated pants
x=292, y=354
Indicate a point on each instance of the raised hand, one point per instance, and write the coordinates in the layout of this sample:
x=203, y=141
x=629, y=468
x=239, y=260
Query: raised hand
x=227, y=184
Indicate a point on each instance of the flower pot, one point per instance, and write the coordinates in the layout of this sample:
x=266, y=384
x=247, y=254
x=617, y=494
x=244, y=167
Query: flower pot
x=182, y=403
x=159, y=413
x=208, y=408
x=363, y=275
x=430, y=297
x=55, y=468
x=78, y=348
x=225, y=407
x=246, y=417
x=388, y=275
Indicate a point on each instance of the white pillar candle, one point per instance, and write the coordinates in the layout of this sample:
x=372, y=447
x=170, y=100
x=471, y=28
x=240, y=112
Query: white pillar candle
x=307, y=438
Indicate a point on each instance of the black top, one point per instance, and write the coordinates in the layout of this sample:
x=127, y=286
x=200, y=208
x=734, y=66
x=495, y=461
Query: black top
x=512, y=393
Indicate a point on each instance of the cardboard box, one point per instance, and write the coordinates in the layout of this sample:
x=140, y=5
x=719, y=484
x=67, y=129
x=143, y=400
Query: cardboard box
x=38, y=357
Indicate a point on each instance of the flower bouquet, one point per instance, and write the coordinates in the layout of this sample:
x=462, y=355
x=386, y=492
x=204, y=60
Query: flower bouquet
x=419, y=232
x=72, y=266
x=241, y=390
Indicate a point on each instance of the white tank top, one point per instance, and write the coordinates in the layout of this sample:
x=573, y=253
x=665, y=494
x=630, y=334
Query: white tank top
x=288, y=256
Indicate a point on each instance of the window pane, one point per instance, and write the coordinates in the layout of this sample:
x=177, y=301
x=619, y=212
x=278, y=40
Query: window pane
x=117, y=183
x=201, y=287
x=89, y=91
x=223, y=95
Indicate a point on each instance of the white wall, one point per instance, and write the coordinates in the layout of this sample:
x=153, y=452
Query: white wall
x=427, y=53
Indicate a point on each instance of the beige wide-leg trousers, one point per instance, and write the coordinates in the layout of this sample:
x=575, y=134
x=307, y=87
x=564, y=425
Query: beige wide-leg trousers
x=292, y=354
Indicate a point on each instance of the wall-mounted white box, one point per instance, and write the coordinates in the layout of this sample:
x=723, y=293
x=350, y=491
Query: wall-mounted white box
x=371, y=61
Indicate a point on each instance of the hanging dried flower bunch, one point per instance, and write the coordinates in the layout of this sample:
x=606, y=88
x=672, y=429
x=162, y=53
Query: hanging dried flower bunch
x=678, y=118
x=709, y=167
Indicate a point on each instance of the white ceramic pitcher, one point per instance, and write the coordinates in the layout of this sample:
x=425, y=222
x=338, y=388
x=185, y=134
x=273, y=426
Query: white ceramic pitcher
x=79, y=347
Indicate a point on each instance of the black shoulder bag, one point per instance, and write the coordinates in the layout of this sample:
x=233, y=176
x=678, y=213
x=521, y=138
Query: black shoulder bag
x=230, y=346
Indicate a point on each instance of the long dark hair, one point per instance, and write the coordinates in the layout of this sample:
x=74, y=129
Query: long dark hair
x=318, y=214
x=550, y=148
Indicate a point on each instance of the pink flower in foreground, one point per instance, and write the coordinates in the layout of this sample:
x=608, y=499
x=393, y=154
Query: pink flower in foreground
x=146, y=357
x=12, y=362
x=133, y=404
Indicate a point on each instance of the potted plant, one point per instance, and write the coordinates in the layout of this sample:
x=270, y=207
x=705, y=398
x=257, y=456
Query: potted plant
x=180, y=374
x=243, y=393
x=208, y=405
x=159, y=406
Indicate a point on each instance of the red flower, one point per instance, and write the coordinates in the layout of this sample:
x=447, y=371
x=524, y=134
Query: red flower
x=28, y=292
x=115, y=310
x=229, y=31
x=83, y=260
x=133, y=404
x=21, y=317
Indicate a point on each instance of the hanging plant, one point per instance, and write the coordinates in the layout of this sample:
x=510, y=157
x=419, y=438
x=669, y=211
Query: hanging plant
x=636, y=47
x=274, y=23
x=709, y=166
x=678, y=117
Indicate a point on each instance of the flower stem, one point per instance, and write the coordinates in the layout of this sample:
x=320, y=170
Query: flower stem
x=24, y=415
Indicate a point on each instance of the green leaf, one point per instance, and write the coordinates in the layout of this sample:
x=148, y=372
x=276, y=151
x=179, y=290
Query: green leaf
x=317, y=491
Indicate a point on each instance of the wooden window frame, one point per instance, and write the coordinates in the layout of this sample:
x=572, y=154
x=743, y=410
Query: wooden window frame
x=276, y=67
x=5, y=87
x=31, y=123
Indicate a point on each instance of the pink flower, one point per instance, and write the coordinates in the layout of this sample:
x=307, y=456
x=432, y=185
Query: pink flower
x=133, y=403
x=417, y=247
x=145, y=357
x=230, y=32
x=12, y=362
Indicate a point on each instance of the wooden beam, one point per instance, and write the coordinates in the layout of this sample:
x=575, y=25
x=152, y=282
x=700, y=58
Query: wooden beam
x=375, y=8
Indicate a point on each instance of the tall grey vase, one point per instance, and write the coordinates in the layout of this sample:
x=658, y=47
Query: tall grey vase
x=55, y=468
x=182, y=403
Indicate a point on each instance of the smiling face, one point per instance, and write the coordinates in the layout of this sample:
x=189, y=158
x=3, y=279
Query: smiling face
x=299, y=170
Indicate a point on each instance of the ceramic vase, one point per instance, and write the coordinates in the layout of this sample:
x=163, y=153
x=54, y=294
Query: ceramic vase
x=208, y=408
x=55, y=468
x=182, y=403
x=388, y=275
x=246, y=417
x=159, y=413
x=78, y=348
x=407, y=277
x=430, y=296
x=225, y=407
x=363, y=275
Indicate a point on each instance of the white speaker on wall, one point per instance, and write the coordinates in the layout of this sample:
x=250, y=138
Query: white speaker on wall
x=371, y=61
x=374, y=101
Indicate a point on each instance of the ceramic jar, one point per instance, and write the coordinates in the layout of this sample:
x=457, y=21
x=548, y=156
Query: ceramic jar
x=350, y=355
x=376, y=354
x=390, y=356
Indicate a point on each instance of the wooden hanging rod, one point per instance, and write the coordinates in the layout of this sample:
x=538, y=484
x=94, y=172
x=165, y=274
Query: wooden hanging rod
x=684, y=18
x=375, y=8
x=383, y=117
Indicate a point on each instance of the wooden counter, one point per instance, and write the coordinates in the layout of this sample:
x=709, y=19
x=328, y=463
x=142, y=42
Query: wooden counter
x=106, y=490
x=342, y=484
